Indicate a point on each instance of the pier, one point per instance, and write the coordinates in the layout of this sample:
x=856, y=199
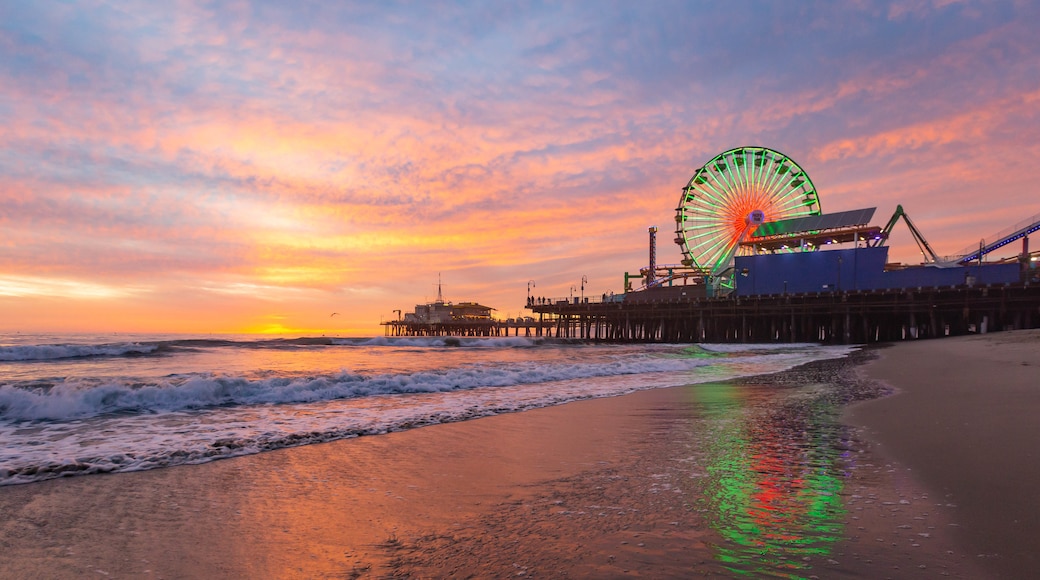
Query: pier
x=473, y=328
x=767, y=265
x=762, y=263
x=682, y=314
x=856, y=317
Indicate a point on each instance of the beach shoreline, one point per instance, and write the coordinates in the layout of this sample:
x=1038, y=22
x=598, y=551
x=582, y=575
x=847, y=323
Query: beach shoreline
x=660, y=483
x=963, y=420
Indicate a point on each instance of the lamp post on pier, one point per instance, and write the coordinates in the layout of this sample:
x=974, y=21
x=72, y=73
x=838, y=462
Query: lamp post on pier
x=584, y=280
x=530, y=284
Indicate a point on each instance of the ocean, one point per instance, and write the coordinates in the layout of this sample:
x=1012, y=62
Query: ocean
x=86, y=404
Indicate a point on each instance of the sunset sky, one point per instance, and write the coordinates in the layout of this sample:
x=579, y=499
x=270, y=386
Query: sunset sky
x=257, y=166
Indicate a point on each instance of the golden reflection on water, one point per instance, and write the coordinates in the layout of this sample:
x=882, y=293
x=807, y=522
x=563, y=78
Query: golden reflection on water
x=768, y=501
x=372, y=506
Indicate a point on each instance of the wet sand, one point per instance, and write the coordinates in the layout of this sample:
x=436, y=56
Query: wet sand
x=966, y=422
x=744, y=478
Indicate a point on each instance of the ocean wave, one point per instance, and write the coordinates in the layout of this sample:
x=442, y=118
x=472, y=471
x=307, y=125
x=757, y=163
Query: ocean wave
x=42, y=352
x=78, y=399
x=756, y=347
x=50, y=352
x=218, y=417
x=165, y=444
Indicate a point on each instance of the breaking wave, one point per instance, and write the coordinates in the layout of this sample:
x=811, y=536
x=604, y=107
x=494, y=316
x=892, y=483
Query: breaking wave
x=50, y=352
x=79, y=399
x=40, y=352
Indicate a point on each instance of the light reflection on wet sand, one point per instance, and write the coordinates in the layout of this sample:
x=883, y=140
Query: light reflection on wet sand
x=734, y=479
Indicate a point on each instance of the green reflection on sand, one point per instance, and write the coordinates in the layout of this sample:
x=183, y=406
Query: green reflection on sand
x=772, y=482
x=695, y=351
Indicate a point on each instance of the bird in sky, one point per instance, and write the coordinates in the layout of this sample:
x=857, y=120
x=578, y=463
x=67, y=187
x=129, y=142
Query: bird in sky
x=333, y=314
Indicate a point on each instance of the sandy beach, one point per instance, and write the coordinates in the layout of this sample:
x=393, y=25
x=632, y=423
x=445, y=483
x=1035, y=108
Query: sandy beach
x=712, y=480
x=964, y=422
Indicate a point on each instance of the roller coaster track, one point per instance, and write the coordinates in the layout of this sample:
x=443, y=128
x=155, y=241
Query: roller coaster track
x=1002, y=238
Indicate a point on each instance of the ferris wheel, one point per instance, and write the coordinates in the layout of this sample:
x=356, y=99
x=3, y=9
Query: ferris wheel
x=733, y=194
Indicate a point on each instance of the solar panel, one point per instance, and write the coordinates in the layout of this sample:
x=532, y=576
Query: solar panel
x=812, y=223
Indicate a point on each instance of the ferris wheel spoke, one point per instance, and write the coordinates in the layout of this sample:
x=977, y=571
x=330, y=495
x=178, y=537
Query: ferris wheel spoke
x=709, y=245
x=799, y=197
x=721, y=174
x=714, y=246
x=701, y=241
x=744, y=166
x=718, y=190
x=794, y=204
x=710, y=191
x=793, y=199
x=710, y=198
x=780, y=182
x=775, y=180
x=790, y=189
x=758, y=169
x=711, y=206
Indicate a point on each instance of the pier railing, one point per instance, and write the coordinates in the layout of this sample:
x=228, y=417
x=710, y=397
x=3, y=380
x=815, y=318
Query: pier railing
x=576, y=300
x=1017, y=231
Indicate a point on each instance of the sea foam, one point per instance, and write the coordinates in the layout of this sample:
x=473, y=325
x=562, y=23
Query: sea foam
x=40, y=352
x=156, y=409
x=79, y=399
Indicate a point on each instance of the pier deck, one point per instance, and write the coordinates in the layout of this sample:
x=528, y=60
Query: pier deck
x=830, y=317
x=479, y=328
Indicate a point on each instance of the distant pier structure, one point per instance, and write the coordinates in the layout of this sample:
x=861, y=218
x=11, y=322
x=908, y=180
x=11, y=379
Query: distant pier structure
x=762, y=263
x=443, y=318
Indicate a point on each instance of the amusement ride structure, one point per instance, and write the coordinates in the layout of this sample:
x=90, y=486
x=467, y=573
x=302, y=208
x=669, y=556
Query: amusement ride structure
x=754, y=269
x=751, y=231
x=733, y=194
x=722, y=205
x=756, y=200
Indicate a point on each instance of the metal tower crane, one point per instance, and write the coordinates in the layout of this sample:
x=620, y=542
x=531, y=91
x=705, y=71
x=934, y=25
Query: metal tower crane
x=922, y=244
